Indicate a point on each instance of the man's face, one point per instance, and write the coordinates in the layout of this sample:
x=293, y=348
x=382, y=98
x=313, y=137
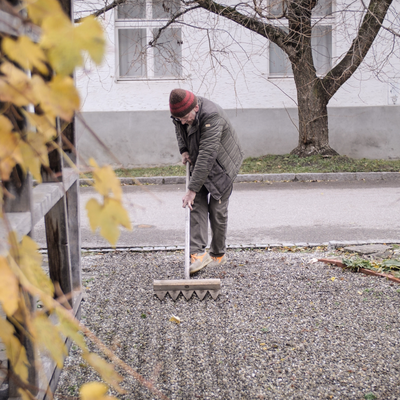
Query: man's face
x=190, y=117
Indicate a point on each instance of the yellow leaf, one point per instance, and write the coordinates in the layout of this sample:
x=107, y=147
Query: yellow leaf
x=61, y=37
x=175, y=319
x=58, y=38
x=8, y=288
x=113, y=214
x=48, y=338
x=70, y=328
x=25, y=394
x=31, y=162
x=27, y=256
x=15, y=86
x=93, y=391
x=105, y=370
x=39, y=9
x=93, y=208
x=1, y=201
x=333, y=278
x=14, y=350
x=43, y=125
x=89, y=36
x=10, y=153
x=105, y=180
x=108, y=217
x=58, y=97
x=34, y=154
x=25, y=52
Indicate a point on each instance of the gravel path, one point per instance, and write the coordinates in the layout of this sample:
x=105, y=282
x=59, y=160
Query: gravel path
x=283, y=328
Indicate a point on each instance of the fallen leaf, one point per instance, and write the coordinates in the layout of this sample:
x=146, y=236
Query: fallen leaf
x=333, y=278
x=175, y=319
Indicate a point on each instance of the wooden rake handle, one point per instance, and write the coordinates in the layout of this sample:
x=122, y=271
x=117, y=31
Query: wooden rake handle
x=187, y=228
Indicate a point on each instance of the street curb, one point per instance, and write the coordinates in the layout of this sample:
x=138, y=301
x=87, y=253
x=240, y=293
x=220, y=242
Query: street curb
x=267, y=178
x=330, y=246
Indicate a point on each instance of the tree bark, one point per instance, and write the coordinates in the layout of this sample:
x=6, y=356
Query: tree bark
x=312, y=98
x=313, y=117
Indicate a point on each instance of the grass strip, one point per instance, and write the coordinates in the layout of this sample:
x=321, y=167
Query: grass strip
x=273, y=164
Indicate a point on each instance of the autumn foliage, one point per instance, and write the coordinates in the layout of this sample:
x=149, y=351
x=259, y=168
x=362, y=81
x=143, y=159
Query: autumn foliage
x=36, y=86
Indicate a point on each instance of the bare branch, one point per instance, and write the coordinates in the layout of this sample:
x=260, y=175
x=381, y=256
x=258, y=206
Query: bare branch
x=366, y=35
x=171, y=21
x=267, y=30
x=103, y=10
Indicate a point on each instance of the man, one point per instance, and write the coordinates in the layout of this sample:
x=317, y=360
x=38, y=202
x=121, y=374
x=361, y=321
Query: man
x=208, y=141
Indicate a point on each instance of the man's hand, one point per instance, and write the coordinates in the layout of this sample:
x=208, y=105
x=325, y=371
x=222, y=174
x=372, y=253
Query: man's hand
x=185, y=158
x=188, y=199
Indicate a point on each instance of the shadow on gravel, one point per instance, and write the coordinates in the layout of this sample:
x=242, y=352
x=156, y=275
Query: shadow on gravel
x=285, y=327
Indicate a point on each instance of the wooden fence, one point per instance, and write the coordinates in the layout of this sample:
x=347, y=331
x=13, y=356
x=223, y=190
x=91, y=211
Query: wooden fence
x=57, y=201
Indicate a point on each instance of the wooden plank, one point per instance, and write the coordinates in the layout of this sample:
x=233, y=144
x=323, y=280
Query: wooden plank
x=51, y=372
x=20, y=188
x=74, y=234
x=57, y=237
x=15, y=26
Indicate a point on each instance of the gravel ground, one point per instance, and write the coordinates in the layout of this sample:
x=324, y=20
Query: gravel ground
x=285, y=327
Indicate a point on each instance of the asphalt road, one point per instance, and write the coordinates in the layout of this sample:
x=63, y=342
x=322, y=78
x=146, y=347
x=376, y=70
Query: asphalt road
x=261, y=213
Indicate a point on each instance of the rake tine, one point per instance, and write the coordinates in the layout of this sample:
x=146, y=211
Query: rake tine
x=187, y=293
x=174, y=294
x=215, y=293
x=201, y=293
x=160, y=293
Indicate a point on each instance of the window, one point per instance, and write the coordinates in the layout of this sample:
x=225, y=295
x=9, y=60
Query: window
x=321, y=40
x=137, y=24
x=323, y=8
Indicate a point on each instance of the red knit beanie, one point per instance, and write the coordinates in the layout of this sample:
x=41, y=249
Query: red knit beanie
x=181, y=102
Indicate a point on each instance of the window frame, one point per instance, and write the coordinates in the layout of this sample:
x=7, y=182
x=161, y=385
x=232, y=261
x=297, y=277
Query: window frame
x=316, y=20
x=148, y=24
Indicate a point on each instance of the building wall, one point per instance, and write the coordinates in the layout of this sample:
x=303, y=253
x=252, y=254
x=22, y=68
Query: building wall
x=145, y=138
x=132, y=117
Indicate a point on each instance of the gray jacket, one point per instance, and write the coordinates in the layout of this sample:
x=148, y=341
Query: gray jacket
x=213, y=147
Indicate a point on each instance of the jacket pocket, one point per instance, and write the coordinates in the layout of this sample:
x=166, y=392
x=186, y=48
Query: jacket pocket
x=218, y=181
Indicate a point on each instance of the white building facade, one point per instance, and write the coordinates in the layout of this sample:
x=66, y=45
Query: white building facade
x=125, y=99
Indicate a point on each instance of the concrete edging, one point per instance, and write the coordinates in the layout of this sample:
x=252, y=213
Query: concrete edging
x=301, y=177
x=330, y=246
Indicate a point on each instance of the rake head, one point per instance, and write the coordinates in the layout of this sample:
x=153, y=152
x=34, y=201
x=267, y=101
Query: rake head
x=187, y=287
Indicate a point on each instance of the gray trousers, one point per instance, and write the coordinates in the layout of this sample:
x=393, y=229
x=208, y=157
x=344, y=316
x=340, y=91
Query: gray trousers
x=206, y=207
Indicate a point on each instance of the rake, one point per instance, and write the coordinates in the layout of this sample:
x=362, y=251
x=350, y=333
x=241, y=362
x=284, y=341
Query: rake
x=187, y=286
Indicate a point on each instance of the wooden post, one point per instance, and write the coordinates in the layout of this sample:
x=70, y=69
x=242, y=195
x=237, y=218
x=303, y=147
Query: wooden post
x=20, y=188
x=57, y=237
x=75, y=234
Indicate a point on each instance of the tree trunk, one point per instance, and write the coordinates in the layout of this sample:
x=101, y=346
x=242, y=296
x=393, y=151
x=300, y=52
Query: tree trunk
x=312, y=101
